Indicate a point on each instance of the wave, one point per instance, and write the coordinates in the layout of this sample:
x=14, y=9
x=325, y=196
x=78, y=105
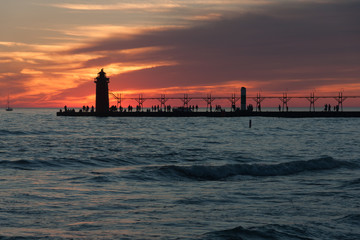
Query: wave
x=353, y=183
x=222, y=172
x=31, y=238
x=311, y=231
x=198, y=172
x=352, y=219
x=271, y=231
x=21, y=164
x=5, y=132
x=51, y=163
x=32, y=163
x=9, y=132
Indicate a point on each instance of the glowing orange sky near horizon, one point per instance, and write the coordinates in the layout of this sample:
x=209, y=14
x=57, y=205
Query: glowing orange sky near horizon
x=51, y=53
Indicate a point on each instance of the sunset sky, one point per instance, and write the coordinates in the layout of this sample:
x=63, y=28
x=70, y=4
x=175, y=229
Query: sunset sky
x=51, y=50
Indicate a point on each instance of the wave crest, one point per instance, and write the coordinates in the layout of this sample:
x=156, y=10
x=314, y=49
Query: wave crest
x=203, y=172
x=271, y=231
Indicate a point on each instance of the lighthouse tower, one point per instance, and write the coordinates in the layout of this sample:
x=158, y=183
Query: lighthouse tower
x=102, y=93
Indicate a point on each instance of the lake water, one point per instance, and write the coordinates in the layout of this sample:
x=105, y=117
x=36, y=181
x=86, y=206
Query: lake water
x=178, y=178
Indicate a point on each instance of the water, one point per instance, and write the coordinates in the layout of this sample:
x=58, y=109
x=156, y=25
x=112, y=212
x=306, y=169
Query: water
x=178, y=178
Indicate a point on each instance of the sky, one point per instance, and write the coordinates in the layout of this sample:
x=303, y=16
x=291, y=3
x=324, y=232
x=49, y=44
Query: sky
x=51, y=50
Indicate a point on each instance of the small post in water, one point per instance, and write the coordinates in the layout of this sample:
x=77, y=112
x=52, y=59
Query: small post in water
x=250, y=123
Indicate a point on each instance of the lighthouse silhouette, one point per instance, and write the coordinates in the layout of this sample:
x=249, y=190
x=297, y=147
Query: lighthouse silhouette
x=102, y=93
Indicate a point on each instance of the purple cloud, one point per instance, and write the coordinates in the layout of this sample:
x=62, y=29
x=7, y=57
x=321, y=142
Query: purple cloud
x=289, y=46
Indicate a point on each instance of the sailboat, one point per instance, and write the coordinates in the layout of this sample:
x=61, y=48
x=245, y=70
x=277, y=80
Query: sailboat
x=8, y=108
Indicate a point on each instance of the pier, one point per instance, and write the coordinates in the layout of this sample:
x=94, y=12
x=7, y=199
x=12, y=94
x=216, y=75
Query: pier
x=295, y=114
x=187, y=110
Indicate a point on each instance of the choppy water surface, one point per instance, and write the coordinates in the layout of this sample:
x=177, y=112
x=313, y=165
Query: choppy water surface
x=178, y=178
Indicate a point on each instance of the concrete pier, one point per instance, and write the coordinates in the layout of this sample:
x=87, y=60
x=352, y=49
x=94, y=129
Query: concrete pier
x=303, y=114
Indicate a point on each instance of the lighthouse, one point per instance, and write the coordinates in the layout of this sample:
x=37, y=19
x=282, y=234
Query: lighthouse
x=102, y=93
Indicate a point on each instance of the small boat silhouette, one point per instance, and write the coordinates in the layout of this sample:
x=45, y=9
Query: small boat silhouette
x=8, y=108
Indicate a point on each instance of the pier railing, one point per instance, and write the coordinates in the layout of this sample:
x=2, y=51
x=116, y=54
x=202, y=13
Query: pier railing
x=258, y=99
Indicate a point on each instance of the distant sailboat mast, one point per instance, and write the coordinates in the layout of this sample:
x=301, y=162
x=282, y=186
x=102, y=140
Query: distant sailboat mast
x=8, y=108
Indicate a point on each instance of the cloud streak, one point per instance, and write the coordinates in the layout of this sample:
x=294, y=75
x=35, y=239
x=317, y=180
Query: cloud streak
x=118, y=6
x=288, y=46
